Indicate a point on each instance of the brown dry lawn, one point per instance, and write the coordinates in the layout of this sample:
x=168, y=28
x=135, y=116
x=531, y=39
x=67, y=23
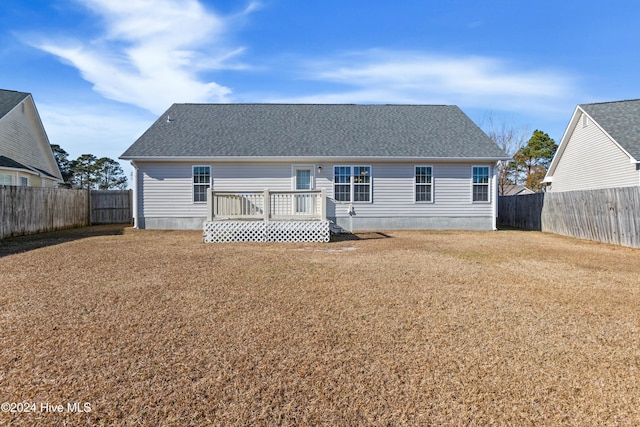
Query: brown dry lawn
x=411, y=328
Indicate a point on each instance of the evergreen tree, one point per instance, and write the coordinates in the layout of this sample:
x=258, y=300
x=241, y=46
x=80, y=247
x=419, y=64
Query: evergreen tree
x=83, y=169
x=533, y=159
x=64, y=164
x=89, y=172
x=109, y=174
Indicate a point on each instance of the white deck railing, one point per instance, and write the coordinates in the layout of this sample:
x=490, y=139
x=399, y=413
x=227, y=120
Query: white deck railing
x=266, y=205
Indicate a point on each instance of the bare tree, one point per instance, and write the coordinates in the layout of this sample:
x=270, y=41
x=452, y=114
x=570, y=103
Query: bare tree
x=510, y=140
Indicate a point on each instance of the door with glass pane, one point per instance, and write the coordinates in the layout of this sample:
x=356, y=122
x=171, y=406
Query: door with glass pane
x=303, y=204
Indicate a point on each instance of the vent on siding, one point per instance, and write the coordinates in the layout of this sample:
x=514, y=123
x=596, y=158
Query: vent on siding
x=585, y=121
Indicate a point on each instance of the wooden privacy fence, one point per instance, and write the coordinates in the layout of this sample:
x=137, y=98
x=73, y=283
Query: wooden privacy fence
x=110, y=207
x=522, y=212
x=610, y=215
x=31, y=210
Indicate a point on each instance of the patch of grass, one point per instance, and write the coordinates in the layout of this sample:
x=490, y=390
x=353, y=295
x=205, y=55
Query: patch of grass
x=412, y=328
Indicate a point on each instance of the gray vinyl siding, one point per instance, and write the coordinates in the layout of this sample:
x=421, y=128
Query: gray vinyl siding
x=393, y=193
x=591, y=160
x=165, y=189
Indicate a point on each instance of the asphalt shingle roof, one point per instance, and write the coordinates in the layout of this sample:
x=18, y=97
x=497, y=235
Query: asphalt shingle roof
x=621, y=120
x=10, y=163
x=9, y=99
x=318, y=130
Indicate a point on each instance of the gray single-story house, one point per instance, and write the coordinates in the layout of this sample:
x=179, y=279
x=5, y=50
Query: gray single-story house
x=371, y=167
x=599, y=149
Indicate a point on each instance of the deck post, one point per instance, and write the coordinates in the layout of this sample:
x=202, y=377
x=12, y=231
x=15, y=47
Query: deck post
x=267, y=205
x=210, y=203
x=323, y=206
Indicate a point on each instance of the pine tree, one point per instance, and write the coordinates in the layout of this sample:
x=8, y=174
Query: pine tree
x=533, y=159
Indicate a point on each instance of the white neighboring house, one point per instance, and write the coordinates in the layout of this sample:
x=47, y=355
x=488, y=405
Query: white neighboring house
x=26, y=158
x=600, y=148
x=380, y=167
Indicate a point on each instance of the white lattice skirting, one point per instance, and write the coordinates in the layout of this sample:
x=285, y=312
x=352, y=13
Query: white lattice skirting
x=263, y=231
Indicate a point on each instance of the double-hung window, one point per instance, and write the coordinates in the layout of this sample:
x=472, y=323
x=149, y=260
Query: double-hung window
x=201, y=183
x=352, y=183
x=480, y=188
x=6, y=179
x=424, y=184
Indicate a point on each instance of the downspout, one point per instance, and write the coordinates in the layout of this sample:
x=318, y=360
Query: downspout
x=494, y=199
x=134, y=202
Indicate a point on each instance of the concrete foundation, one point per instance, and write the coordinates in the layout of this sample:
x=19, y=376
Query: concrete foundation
x=348, y=224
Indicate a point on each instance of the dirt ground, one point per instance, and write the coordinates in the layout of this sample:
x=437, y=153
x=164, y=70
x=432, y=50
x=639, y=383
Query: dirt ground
x=115, y=326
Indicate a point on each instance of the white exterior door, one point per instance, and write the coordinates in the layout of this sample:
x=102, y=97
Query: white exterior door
x=303, y=204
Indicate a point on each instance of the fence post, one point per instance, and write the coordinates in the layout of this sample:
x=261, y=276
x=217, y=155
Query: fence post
x=209, y=204
x=90, y=207
x=323, y=206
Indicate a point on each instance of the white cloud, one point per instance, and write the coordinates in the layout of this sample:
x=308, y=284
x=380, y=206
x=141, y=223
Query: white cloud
x=150, y=52
x=98, y=129
x=417, y=77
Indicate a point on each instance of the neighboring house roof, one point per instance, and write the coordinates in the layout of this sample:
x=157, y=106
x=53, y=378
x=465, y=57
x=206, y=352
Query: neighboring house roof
x=6, y=162
x=9, y=99
x=319, y=130
x=621, y=120
x=516, y=190
x=26, y=146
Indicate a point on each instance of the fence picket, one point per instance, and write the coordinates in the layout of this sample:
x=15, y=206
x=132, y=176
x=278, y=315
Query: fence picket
x=609, y=215
x=30, y=210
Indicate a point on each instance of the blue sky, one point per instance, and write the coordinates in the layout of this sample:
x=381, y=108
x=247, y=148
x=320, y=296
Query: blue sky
x=101, y=71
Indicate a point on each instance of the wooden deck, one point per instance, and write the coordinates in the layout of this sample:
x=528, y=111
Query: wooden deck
x=266, y=216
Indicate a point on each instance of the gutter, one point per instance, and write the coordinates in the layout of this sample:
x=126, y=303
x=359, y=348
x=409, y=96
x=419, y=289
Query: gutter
x=308, y=158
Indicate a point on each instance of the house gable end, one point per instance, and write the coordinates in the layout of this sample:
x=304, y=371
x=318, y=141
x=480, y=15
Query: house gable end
x=23, y=137
x=589, y=158
x=621, y=121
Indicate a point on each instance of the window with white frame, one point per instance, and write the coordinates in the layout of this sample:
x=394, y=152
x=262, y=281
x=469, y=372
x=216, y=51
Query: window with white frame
x=424, y=184
x=352, y=183
x=24, y=181
x=201, y=183
x=480, y=183
x=6, y=179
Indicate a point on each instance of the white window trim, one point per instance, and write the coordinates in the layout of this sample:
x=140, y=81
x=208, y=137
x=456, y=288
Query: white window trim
x=10, y=177
x=488, y=184
x=25, y=177
x=415, y=185
x=193, y=184
x=293, y=175
x=352, y=183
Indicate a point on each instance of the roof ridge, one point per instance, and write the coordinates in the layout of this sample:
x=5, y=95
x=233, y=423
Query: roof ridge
x=311, y=104
x=611, y=102
x=15, y=91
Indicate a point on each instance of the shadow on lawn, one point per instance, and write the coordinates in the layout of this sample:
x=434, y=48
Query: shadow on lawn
x=373, y=235
x=14, y=245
